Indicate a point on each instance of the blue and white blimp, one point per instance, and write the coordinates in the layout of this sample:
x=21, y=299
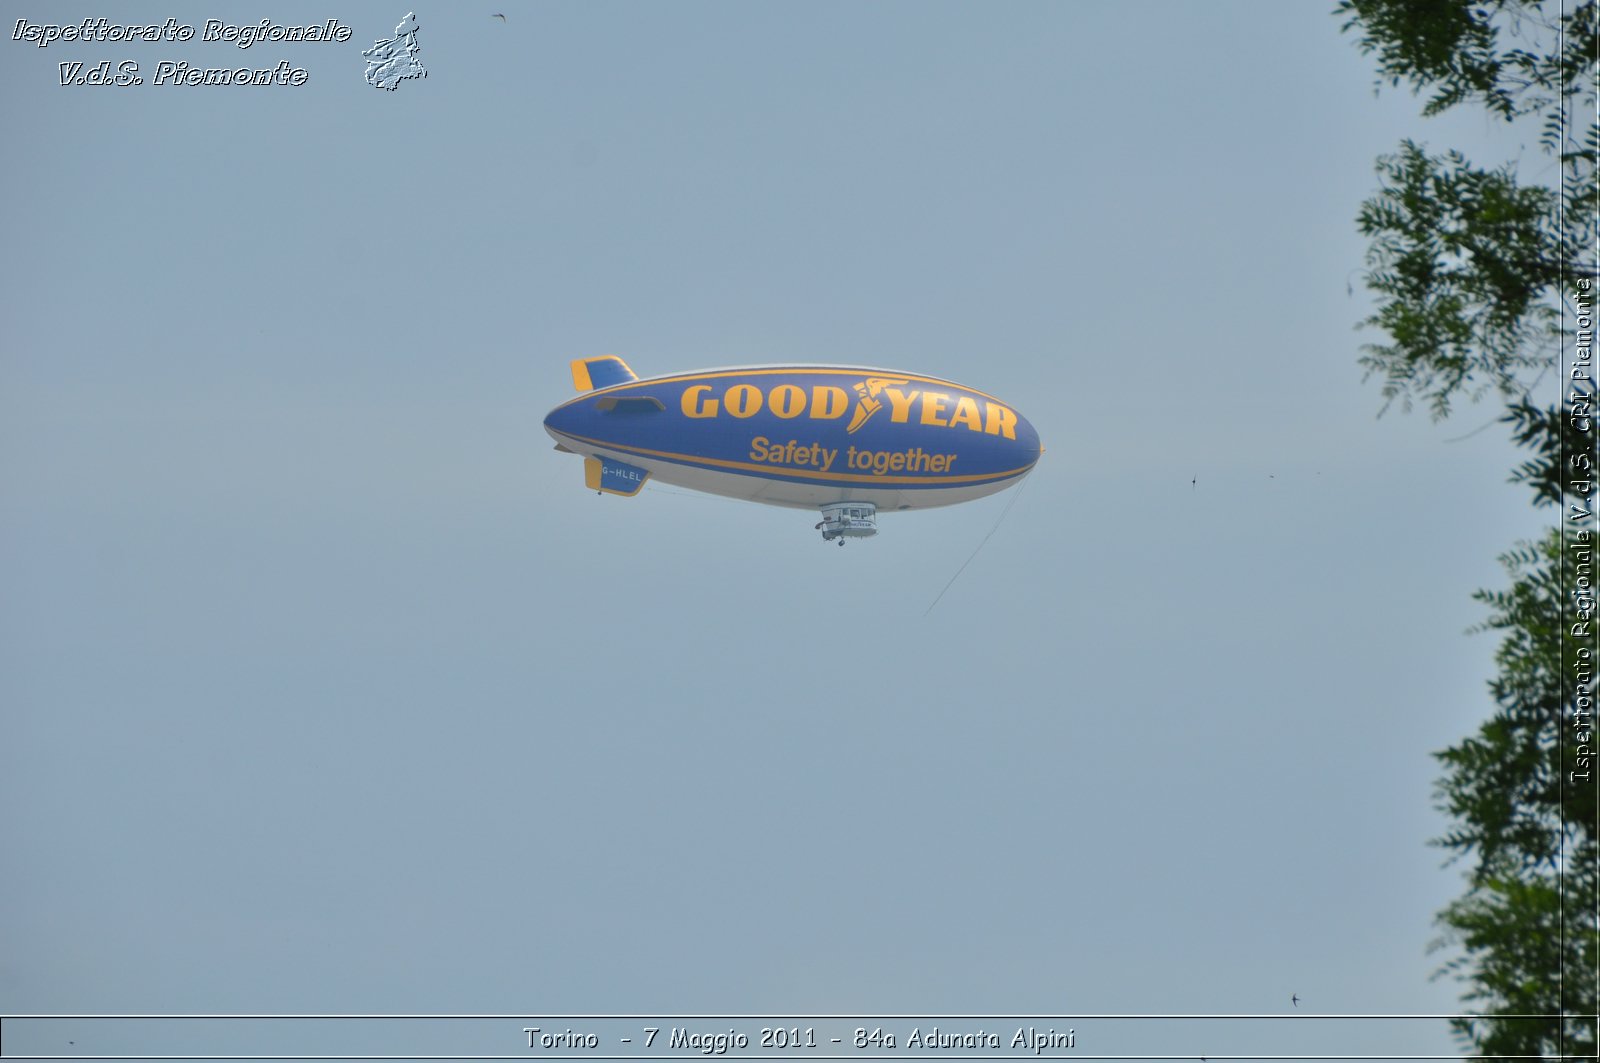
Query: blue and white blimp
x=849, y=441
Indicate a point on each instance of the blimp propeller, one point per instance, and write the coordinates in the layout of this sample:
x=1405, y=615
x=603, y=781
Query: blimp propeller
x=850, y=441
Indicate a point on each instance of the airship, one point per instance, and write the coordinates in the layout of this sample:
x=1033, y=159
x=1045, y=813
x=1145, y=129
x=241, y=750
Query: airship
x=850, y=441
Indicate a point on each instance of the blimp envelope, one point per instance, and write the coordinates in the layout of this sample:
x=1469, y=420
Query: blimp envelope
x=847, y=440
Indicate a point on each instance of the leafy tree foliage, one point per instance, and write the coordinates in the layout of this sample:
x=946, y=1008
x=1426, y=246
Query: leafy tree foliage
x=1550, y=435
x=1463, y=261
x=1468, y=264
x=1470, y=267
x=1527, y=926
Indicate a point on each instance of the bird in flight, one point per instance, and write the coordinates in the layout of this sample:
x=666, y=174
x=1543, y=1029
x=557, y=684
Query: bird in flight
x=499, y=16
x=1295, y=999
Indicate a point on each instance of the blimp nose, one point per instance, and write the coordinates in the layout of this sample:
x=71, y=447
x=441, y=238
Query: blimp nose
x=1028, y=443
x=560, y=422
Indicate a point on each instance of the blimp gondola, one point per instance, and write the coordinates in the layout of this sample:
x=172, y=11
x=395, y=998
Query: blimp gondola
x=849, y=441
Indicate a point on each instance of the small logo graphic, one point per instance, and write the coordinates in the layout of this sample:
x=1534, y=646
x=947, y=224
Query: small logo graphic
x=867, y=398
x=391, y=62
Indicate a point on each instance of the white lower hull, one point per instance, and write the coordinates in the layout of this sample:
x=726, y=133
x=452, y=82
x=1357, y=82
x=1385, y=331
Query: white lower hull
x=776, y=492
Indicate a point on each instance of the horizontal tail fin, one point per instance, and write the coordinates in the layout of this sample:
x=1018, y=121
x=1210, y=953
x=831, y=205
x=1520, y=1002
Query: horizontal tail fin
x=613, y=477
x=590, y=374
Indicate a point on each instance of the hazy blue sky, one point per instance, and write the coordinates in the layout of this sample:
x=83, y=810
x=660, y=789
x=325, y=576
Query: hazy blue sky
x=327, y=687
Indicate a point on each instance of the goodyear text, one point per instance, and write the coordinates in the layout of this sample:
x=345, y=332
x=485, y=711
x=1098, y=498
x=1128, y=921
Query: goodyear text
x=825, y=402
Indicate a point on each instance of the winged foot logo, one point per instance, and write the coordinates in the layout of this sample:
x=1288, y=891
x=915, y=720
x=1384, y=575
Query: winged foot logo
x=867, y=402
